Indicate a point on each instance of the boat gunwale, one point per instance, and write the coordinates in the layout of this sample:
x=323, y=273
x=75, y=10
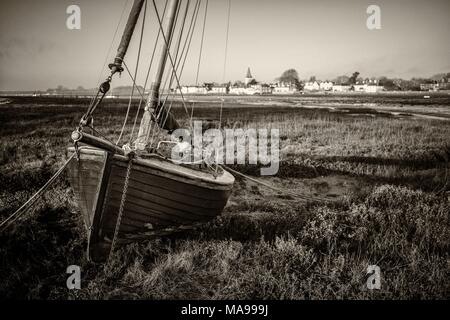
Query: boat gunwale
x=225, y=178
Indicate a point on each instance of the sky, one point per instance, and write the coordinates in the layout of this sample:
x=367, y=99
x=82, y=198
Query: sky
x=324, y=38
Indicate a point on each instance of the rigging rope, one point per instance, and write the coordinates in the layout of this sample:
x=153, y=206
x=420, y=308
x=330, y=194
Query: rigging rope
x=170, y=58
x=177, y=46
x=13, y=217
x=146, y=78
x=199, y=56
x=135, y=74
x=225, y=61
x=175, y=66
x=132, y=79
x=224, y=68
x=188, y=35
x=184, y=52
x=160, y=31
x=171, y=36
x=110, y=47
x=177, y=60
x=167, y=45
x=190, y=38
x=100, y=134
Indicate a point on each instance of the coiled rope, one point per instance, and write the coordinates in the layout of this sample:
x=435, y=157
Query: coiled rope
x=13, y=217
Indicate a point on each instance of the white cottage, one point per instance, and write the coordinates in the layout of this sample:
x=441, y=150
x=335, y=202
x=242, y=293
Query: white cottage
x=193, y=90
x=312, y=86
x=341, y=87
x=326, y=86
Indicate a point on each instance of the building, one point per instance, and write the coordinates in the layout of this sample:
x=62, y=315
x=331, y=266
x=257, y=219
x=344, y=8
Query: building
x=444, y=84
x=218, y=90
x=366, y=87
x=311, y=86
x=250, y=86
x=429, y=86
x=248, y=78
x=193, y=90
x=242, y=90
x=360, y=87
x=265, y=88
x=326, y=85
x=283, y=88
x=373, y=88
x=341, y=88
x=259, y=88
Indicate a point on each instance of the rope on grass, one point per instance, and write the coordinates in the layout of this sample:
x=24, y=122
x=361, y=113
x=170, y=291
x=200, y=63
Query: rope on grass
x=287, y=192
x=13, y=217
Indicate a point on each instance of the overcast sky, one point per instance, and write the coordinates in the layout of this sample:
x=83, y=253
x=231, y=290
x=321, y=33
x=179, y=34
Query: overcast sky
x=325, y=38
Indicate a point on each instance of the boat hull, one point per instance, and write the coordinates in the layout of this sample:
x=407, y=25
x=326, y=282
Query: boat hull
x=160, y=197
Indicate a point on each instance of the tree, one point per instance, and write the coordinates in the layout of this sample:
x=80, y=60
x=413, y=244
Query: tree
x=290, y=76
x=60, y=88
x=208, y=85
x=353, y=78
x=312, y=79
x=341, y=80
x=388, y=84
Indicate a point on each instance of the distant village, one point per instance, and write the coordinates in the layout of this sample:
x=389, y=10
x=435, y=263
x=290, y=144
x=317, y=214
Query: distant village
x=287, y=84
x=249, y=85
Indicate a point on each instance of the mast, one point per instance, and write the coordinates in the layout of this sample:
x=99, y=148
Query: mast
x=153, y=97
x=133, y=17
x=115, y=66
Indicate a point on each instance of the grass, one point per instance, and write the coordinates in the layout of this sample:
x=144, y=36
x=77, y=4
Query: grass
x=265, y=245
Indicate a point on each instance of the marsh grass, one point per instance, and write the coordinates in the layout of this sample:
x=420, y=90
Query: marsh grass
x=263, y=246
x=323, y=258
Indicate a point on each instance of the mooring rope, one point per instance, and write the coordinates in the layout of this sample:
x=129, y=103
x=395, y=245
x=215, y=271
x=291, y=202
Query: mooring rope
x=13, y=217
x=300, y=196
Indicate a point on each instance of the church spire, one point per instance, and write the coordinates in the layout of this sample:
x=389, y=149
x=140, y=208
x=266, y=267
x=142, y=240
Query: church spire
x=249, y=75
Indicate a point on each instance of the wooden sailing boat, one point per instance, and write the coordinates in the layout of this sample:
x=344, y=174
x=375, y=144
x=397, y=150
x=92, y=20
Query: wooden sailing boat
x=132, y=193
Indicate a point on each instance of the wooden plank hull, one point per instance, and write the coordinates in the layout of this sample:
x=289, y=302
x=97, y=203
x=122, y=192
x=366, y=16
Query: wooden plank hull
x=160, y=196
